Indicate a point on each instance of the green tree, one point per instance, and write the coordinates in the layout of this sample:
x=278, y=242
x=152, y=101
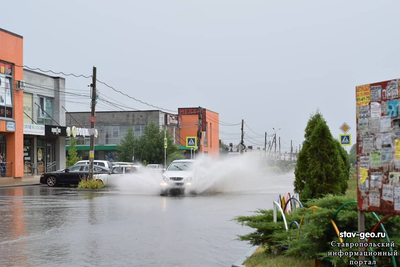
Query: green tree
x=353, y=155
x=320, y=168
x=150, y=146
x=72, y=157
x=125, y=147
x=223, y=147
x=345, y=166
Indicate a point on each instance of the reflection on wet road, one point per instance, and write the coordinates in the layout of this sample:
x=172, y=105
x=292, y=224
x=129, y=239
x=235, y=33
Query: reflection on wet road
x=42, y=226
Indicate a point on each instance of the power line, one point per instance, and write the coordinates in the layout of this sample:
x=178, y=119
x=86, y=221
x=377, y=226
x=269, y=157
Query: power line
x=72, y=117
x=54, y=72
x=253, y=131
x=131, y=97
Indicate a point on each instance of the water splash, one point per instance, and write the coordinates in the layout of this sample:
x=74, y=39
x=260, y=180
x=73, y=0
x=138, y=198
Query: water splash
x=233, y=174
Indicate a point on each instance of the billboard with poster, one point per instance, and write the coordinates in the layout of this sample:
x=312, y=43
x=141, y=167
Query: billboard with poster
x=378, y=147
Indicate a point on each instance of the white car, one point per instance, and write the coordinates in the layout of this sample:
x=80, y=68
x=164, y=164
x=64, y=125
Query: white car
x=177, y=177
x=101, y=163
x=125, y=169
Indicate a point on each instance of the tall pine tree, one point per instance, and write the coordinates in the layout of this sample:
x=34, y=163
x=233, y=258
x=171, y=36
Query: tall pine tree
x=321, y=166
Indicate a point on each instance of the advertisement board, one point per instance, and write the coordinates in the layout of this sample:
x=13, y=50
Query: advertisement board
x=378, y=147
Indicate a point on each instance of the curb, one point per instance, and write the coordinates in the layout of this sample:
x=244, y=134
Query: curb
x=239, y=262
x=17, y=185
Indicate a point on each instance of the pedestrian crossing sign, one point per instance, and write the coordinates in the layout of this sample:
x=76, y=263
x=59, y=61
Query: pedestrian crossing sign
x=345, y=139
x=191, y=141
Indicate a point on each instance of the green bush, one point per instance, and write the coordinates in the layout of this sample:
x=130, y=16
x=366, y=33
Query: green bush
x=313, y=241
x=90, y=184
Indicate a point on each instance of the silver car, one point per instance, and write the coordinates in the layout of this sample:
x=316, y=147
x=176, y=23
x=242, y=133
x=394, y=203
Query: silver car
x=177, y=177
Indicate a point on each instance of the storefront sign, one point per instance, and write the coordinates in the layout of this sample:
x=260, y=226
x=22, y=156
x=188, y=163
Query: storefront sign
x=10, y=126
x=33, y=129
x=55, y=130
x=195, y=111
x=75, y=131
x=190, y=111
x=172, y=120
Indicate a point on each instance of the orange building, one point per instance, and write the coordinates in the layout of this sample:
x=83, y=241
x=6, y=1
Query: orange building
x=202, y=125
x=11, y=104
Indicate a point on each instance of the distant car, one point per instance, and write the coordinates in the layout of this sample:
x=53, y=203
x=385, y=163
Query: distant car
x=125, y=169
x=177, y=177
x=154, y=166
x=73, y=175
x=113, y=163
x=96, y=162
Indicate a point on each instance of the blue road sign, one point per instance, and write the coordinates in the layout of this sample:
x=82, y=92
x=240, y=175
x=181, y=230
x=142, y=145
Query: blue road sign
x=345, y=139
x=191, y=141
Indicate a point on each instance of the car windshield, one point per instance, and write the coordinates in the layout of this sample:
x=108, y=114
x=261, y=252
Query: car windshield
x=180, y=166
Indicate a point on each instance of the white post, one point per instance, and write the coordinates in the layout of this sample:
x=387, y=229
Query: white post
x=165, y=148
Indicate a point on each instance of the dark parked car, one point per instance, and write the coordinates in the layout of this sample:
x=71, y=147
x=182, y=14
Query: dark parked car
x=71, y=176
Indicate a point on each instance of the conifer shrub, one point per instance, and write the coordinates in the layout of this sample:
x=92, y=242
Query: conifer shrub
x=314, y=240
x=323, y=166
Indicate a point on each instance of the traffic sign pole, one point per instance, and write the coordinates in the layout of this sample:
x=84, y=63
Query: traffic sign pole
x=165, y=147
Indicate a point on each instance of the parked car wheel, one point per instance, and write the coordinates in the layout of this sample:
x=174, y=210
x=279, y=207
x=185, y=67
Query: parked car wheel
x=100, y=181
x=51, y=181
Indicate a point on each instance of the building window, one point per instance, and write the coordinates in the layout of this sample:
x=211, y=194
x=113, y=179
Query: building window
x=6, y=90
x=45, y=110
x=211, y=132
x=28, y=111
x=139, y=129
x=205, y=136
x=112, y=135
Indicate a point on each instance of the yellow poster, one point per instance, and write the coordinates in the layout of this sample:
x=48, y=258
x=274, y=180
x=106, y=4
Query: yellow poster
x=363, y=95
x=363, y=175
x=397, y=149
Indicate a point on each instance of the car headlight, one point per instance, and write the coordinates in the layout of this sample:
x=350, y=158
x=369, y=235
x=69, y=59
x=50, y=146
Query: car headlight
x=189, y=178
x=165, y=178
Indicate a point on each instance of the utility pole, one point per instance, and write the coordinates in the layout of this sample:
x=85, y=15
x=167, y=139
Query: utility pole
x=92, y=124
x=291, y=150
x=279, y=147
x=241, y=147
x=265, y=143
x=199, y=128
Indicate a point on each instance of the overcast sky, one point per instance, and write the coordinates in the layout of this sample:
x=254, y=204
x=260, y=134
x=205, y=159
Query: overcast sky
x=271, y=63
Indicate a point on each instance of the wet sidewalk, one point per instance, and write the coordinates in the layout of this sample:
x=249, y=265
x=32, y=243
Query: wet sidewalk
x=26, y=180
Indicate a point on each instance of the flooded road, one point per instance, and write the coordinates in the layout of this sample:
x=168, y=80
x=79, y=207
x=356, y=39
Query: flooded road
x=42, y=226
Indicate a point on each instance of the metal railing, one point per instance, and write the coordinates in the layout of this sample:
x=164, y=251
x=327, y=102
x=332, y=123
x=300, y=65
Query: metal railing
x=31, y=168
x=6, y=169
x=51, y=166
